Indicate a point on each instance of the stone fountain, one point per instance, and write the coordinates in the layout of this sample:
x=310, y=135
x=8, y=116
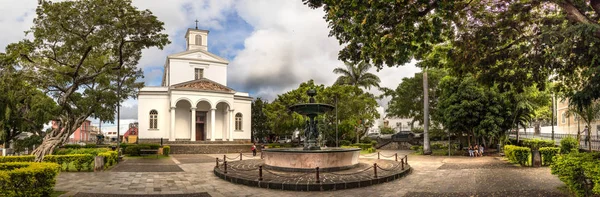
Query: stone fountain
x=311, y=156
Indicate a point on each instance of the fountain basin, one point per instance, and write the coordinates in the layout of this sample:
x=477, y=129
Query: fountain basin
x=299, y=160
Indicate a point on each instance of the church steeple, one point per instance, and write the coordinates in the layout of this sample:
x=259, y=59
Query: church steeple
x=196, y=38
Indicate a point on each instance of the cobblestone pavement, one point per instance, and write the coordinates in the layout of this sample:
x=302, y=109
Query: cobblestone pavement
x=431, y=176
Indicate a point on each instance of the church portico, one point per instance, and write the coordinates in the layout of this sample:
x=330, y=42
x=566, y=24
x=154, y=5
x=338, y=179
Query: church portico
x=194, y=103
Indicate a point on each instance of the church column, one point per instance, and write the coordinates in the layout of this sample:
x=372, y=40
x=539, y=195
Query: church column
x=231, y=121
x=172, y=132
x=193, y=125
x=212, y=124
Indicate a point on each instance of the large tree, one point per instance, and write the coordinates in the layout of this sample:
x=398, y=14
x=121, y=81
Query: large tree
x=357, y=75
x=23, y=108
x=407, y=99
x=81, y=52
x=260, y=122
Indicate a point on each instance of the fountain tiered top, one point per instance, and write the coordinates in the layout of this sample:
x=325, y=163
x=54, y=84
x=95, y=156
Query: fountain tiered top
x=311, y=109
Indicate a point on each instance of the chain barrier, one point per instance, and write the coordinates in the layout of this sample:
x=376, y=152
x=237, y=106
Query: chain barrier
x=248, y=155
x=352, y=173
x=387, y=156
x=284, y=176
x=234, y=158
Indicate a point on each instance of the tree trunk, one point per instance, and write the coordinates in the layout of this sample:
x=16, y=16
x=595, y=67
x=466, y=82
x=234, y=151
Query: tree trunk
x=426, y=148
x=517, y=130
x=589, y=138
x=56, y=137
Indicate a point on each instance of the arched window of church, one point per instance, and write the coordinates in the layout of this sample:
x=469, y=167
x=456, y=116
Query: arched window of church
x=153, y=119
x=198, y=40
x=238, y=122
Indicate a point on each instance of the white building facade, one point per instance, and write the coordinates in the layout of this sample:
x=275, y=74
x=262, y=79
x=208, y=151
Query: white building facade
x=194, y=103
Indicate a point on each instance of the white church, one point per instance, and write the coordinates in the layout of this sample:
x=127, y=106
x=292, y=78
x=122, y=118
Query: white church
x=194, y=103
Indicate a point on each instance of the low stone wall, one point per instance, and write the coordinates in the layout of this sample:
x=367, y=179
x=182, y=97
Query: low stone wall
x=396, y=146
x=187, y=141
x=209, y=148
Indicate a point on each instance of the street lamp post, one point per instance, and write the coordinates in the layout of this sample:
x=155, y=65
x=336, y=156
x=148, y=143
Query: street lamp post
x=336, y=123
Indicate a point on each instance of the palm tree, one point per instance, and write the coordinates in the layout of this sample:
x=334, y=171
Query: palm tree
x=356, y=75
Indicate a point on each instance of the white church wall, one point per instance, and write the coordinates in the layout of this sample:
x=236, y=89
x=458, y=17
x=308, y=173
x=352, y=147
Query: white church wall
x=183, y=117
x=160, y=103
x=244, y=107
x=183, y=70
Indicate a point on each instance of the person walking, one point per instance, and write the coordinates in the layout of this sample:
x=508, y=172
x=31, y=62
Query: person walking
x=254, y=149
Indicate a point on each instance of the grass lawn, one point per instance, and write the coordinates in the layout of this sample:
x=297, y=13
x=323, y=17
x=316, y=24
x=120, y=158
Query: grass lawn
x=57, y=193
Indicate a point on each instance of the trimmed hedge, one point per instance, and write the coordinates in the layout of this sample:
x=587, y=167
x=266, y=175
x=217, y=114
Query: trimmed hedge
x=79, y=161
x=166, y=150
x=580, y=172
x=362, y=146
x=110, y=158
x=73, y=146
x=568, y=145
x=345, y=143
x=91, y=151
x=280, y=145
x=536, y=144
x=26, y=158
x=517, y=154
x=134, y=149
x=27, y=178
x=548, y=154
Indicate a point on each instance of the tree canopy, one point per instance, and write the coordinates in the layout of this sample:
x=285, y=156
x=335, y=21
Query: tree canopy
x=508, y=44
x=81, y=52
x=407, y=99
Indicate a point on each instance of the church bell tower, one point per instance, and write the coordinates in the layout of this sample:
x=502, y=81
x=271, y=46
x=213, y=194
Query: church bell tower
x=196, y=38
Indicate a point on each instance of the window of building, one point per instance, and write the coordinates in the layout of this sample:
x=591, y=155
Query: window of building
x=238, y=122
x=198, y=40
x=199, y=73
x=153, y=119
x=564, y=118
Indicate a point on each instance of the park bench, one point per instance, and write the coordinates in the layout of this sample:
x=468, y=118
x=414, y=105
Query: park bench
x=144, y=152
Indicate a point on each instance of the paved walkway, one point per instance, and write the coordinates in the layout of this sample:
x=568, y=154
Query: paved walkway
x=432, y=176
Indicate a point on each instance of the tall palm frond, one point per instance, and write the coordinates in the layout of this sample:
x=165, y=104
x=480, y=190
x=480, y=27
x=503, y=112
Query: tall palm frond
x=356, y=75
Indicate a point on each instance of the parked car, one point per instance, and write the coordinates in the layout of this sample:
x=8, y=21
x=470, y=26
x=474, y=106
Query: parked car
x=373, y=136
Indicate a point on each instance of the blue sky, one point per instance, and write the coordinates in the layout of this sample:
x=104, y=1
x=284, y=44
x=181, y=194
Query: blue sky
x=272, y=45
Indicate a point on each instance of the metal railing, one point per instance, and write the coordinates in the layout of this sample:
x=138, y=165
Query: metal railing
x=594, y=139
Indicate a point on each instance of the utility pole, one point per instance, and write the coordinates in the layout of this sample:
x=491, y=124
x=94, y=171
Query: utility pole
x=552, y=122
x=336, y=123
x=426, y=147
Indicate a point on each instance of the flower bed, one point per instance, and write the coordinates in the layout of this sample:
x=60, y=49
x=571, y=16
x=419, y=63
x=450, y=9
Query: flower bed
x=27, y=178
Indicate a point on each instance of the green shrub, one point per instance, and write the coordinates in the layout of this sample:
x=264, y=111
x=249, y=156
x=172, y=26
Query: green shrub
x=417, y=149
x=280, y=145
x=124, y=146
x=27, y=179
x=166, y=150
x=548, y=154
x=579, y=171
x=438, y=146
x=536, y=144
x=373, y=143
x=110, y=158
x=152, y=146
x=79, y=161
x=134, y=150
x=517, y=154
x=345, y=143
x=73, y=146
x=366, y=140
x=371, y=150
x=568, y=145
x=26, y=158
x=90, y=146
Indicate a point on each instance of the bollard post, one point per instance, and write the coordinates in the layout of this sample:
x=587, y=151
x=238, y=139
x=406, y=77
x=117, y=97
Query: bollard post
x=375, y=169
x=224, y=158
x=260, y=173
x=318, y=181
x=377, y=154
x=396, y=156
x=261, y=155
x=402, y=161
x=225, y=165
x=217, y=162
x=240, y=156
x=406, y=159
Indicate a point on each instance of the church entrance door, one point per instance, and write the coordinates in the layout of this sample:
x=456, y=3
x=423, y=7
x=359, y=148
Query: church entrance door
x=200, y=125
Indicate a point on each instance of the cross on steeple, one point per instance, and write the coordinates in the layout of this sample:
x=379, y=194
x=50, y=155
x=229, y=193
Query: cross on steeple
x=196, y=23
